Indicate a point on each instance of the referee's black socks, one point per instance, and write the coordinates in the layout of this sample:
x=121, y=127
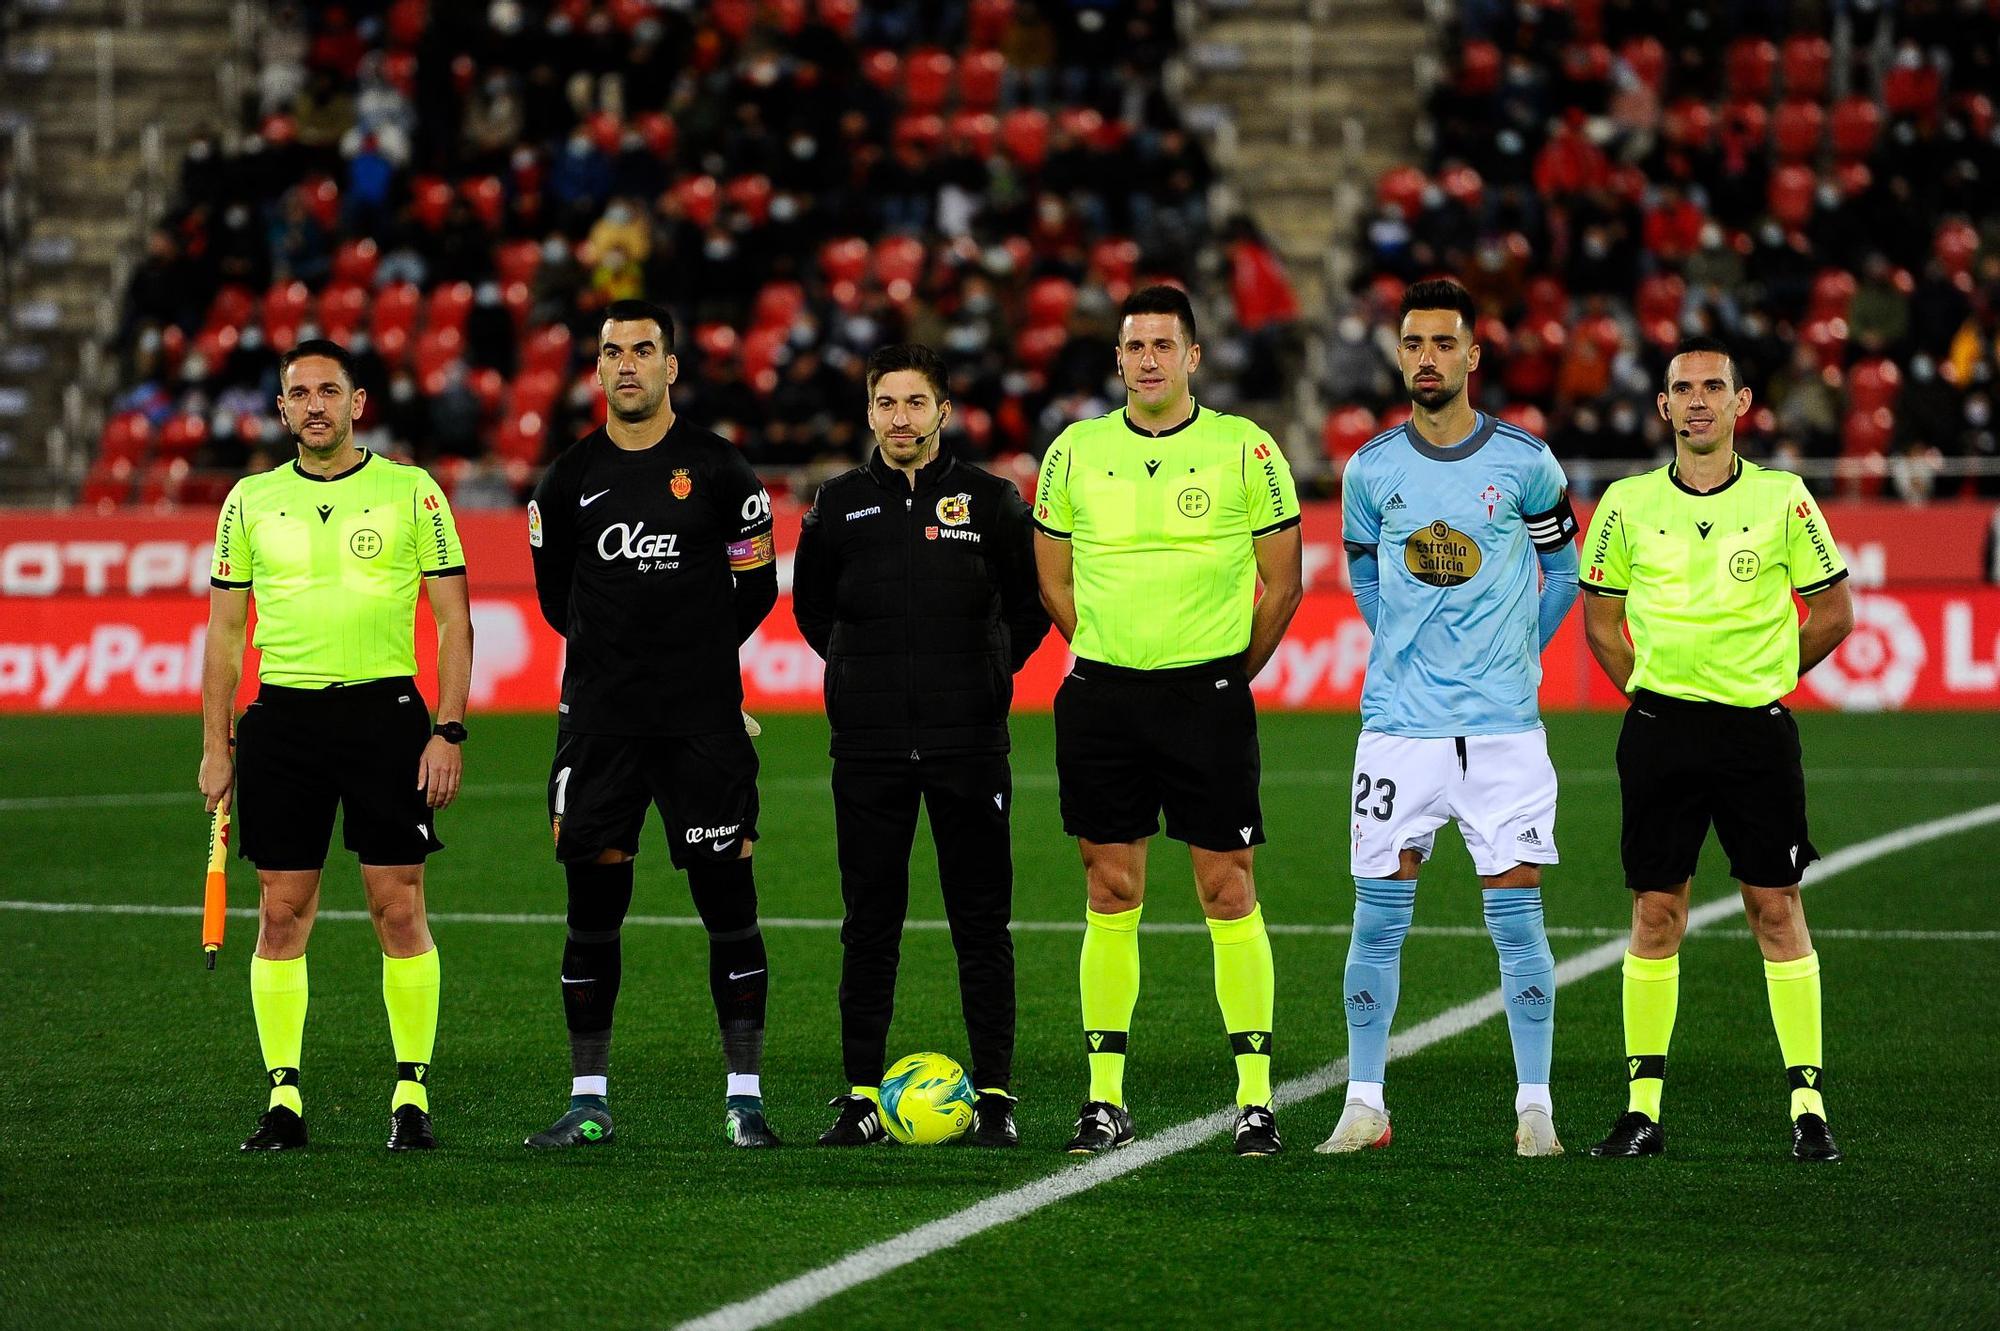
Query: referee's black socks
x=739, y=978
x=599, y=896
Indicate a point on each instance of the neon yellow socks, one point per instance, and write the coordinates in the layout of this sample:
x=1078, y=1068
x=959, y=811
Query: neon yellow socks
x=1244, y=986
x=1795, y=1011
x=870, y=1093
x=1108, y=976
x=410, y=992
x=278, y=998
x=1652, y=996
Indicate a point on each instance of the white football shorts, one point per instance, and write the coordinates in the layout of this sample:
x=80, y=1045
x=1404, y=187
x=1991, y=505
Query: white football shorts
x=1501, y=790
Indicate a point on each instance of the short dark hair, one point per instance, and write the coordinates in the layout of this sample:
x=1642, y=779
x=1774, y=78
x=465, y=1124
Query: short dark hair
x=910, y=356
x=1161, y=299
x=631, y=311
x=1440, y=293
x=1702, y=342
x=318, y=346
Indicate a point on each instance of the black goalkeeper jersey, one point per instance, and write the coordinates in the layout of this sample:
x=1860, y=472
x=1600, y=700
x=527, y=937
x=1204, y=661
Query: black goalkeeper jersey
x=635, y=553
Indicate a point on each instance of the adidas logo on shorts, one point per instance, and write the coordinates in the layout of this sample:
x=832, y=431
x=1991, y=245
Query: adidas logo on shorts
x=1530, y=838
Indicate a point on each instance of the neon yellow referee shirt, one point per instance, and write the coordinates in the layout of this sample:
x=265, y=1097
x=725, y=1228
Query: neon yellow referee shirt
x=1708, y=579
x=1160, y=528
x=334, y=563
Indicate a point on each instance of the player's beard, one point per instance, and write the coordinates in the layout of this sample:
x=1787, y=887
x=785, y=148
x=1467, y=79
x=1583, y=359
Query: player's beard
x=1430, y=399
x=331, y=445
x=648, y=407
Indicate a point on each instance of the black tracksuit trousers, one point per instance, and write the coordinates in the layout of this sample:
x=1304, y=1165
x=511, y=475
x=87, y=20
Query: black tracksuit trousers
x=875, y=813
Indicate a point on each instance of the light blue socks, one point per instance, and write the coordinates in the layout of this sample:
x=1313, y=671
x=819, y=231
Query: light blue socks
x=1382, y=911
x=1527, y=979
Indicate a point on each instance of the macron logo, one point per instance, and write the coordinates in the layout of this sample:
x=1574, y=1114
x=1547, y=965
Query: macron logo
x=1245, y=831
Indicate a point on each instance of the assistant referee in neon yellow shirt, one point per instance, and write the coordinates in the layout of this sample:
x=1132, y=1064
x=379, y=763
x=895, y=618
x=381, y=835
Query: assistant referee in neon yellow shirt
x=1700, y=559
x=1155, y=525
x=333, y=546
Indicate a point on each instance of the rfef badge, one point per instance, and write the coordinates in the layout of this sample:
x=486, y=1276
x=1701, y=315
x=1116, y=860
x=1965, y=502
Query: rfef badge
x=955, y=510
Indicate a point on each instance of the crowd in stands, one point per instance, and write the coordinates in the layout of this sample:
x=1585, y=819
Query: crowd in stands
x=454, y=190
x=1817, y=183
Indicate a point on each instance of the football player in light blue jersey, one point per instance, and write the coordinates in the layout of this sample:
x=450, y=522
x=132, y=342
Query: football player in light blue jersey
x=1459, y=543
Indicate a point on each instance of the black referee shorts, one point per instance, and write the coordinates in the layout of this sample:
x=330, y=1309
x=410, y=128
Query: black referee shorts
x=704, y=785
x=1684, y=765
x=301, y=752
x=1131, y=743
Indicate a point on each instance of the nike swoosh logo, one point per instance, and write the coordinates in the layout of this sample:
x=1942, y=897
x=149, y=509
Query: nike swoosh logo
x=591, y=499
x=744, y=975
x=725, y=845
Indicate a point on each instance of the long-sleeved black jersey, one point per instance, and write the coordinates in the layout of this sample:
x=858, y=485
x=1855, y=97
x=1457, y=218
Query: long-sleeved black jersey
x=655, y=564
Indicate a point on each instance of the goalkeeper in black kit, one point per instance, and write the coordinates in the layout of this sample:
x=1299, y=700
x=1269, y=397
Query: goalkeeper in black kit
x=652, y=549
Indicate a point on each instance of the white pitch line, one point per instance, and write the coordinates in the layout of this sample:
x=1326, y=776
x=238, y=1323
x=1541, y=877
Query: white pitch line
x=1322, y=776
x=1023, y=926
x=808, y=1291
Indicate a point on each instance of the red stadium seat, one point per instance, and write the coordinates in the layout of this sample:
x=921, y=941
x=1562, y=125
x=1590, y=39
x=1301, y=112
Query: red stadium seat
x=763, y=348
x=1790, y=196
x=1463, y=186
x=896, y=258
x=1749, y=67
x=395, y=309
x=489, y=386
x=1806, y=59
x=734, y=18
x=232, y=307
x=160, y=484
x=1660, y=296
x=517, y=260
x=976, y=132
x=1857, y=122
x=1114, y=259
x=1874, y=384
x=1832, y=292
x=522, y=435
x=341, y=310
x=1024, y=134
x=430, y=201
x=1527, y=416
x=840, y=15
x=1083, y=123
x=182, y=437
x=1050, y=300
x=1587, y=62
x=1747, y=120
x=488, y=200
x=547, y=348
x=354, y=263
x=778, y=305
x=1828, y=340
x=1912, y=91
x=393, y=344
x=214, y=343
x=286, y=302
x=537, y=390
x=1479, y=69
x=1647, y=60
x=108, y=485
x=657, y=128
x=986, y=22
x=717, y=342
x=1035, y=348
x=927, y=79
x=435, y=351
x=1689, y=124
x=883, y=69
x=126, y=435
x=1402, y=187
x=322, y=198
x=1394, y=416
x=605, y=131
x=407, y=21
x=751, y=194
x=1956, y=245
x=1867, y=434
x=924, y=130
x=979, y=78
x=1346, y=430
x=699, y=197
x=449, y=305
x=1546, y=299
x=844, y=260
x=448, y=471
x=1797, y=129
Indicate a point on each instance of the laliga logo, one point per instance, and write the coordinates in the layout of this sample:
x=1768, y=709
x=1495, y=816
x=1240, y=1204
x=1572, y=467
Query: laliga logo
x=1877, y=666
x=630, y=544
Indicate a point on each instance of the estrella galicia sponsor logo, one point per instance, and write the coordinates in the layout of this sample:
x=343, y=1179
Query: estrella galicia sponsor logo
x=1439, y=555
x=628, y=541
x=697, y=835
x=869, y=512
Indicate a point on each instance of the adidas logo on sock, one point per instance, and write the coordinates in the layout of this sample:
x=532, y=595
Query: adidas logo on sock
x=1395, y=501
x=1532, y=996
x=1530, y=837
x=1363, y=1000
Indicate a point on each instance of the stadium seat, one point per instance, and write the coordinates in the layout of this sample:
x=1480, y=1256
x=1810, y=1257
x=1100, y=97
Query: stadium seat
x=1956, y=245
x=1346, y=430
x=489, y=386
x=980, y=74
x=986, y=22
x=763, y=350
x=1463, y=186
x=1402, y=187
x=341, y=310
x=395, y=309
x=435, y=351
x=517, y=260
x=1790, y=196
x=232, y=307
x=844, y=260
x=1036, y=348
x=605, y=130
x=449, y=305
x=1874, y=384
x=1806, y=59
x=1857, y=123
x=1085, y=124
x=1396, y=415
x=733, y=18
x=182, y=436
x=884, y=69
x=160, y=483
x=699, y=197
x=546, y=348
x=659, y=132
x=1647, y=60
x=1867, y=433
x=1832, y=292
x=896, y=258
x=1587, y=62
x=521, y=436
x=1796, y=130
x=977, y=132
x=430, y=201
x=1828, y=339
x=1527, y=416
x=839, y=15
x=286, y=302
x=1689, y=123
x=448, y=470
x=1911, y=91
x=717, y=341
x=126, y=435
x=1546, y=299
x=322, y=198
x=487, y=199
x=1050, y=300
x=214, y=345
x=354, y=263
x=751, y=194
x=1024, y=135
x=1748, y=68
x=108, y=485
x=927, y=79
x=1479, y=69
x=923, y=130
x=537, y=390
x=779, y=305
x=1747, y=121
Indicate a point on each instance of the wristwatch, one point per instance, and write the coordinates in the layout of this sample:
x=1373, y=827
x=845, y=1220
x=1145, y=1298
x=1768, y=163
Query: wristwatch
x=451, y=732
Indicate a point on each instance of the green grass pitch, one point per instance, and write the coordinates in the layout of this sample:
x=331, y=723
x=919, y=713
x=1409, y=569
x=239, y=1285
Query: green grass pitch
x=131, y=1074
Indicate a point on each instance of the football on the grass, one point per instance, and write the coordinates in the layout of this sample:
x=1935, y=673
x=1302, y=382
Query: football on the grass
x=926, y=1100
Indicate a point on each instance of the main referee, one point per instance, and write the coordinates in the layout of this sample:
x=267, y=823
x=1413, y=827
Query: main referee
x=1154, y=526
x=915, y=579
x=1700, y=560
x=334, y=545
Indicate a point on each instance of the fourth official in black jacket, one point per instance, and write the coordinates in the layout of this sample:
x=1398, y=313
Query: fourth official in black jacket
x=915, y=579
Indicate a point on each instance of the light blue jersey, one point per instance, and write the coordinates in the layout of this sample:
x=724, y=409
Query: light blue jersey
x=1454, y=533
